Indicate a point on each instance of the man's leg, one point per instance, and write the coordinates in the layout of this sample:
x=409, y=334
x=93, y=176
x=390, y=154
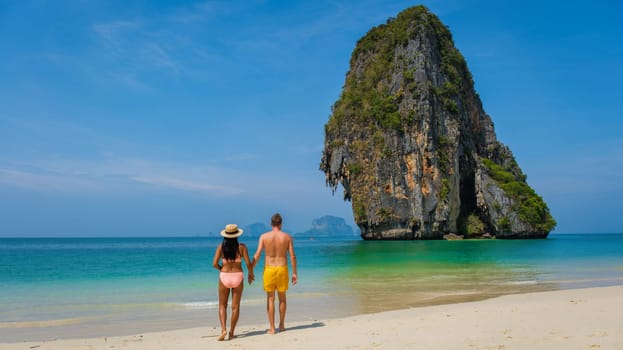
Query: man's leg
x=282, y=310
x=270, y=310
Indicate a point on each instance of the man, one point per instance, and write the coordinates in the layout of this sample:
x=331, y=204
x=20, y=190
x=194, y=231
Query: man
x=276, y=244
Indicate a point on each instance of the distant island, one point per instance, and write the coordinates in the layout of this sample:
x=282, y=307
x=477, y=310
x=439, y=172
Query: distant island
x=328, y=226
x=413, y=148
x=325, y=226
x=256, y=229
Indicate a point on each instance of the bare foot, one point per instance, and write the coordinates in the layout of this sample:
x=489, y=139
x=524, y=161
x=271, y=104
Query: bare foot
x=282, y=327
x=270, y=331
x=231, y=335
x=222, y=336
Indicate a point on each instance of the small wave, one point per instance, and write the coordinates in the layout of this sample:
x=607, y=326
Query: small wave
x=253, y=301
x=521, y=283
x=613, y=279
x=440, y=277
x=42, y=323
x=200, y=305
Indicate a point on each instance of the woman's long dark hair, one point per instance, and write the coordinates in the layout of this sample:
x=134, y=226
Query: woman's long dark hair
x=230, y=248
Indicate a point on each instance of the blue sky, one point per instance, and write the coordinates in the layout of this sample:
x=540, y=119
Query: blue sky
x=166, y=118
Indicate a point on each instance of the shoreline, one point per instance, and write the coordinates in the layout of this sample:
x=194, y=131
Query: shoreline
x=563, y=319
x=301, y=309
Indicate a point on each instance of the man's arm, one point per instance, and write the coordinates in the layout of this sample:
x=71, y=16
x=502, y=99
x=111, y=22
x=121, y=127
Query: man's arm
x=256, y=256
x=295, y=277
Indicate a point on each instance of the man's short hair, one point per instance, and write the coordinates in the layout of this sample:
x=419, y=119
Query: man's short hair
x=276, y=220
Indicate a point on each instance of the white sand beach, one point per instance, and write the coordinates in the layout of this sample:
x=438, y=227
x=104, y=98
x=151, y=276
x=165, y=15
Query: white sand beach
x=589, y=318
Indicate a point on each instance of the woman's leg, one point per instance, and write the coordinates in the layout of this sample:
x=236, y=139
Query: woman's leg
x=223, y=297
x=235, y=308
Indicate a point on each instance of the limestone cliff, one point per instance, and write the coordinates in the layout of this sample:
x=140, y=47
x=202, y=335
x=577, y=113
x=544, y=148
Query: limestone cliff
x=409, y=141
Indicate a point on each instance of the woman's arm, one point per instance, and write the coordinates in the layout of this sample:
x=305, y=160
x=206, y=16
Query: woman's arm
x=217, y=257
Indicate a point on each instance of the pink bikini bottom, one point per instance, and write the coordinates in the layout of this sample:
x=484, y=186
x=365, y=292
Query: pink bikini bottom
x=231, y=279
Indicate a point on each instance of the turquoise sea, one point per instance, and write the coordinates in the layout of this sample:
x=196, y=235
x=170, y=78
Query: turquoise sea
x=83, y=287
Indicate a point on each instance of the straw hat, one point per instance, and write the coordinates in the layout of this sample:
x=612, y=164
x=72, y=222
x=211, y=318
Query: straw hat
x=231, y=231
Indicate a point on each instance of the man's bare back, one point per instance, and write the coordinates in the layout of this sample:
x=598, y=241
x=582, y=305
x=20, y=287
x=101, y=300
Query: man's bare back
x=277, y=245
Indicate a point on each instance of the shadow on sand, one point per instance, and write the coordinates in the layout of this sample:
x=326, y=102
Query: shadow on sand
x=289, y=329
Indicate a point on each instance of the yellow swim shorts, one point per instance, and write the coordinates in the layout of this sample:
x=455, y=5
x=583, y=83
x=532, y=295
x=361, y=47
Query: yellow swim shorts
x=276, y=277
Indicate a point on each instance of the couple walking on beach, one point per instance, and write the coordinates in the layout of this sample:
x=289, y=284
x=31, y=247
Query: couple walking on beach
x=228, y=257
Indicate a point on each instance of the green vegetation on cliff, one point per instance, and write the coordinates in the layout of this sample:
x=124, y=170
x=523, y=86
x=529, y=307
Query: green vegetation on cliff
x=473, y=226
x=529, y=205
x=366, y=98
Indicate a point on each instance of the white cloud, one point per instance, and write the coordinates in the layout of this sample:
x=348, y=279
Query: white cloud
x=47, y=181
x=241, y=157
x=181, y=184
x=201, y=12
x=111, y=174
x=131, y=50
x=111, y=31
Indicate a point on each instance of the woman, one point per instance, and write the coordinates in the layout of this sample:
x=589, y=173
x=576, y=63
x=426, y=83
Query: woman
x=231, y=277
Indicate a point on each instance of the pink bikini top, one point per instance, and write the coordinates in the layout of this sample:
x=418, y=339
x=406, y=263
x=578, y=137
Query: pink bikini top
x=238, y=258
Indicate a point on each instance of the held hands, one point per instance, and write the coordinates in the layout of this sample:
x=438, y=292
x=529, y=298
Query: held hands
x=251, y=278
x=294, y=279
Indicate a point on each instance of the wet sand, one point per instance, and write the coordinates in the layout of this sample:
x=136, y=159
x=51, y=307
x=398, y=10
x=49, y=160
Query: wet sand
x=590, y=318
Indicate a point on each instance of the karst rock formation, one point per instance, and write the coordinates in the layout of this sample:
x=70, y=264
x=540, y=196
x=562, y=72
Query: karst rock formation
x=413, y=148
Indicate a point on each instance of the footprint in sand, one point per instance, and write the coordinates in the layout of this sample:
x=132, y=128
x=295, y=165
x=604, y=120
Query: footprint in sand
x=599, y=334
x=499, y=347
x=507, y=332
